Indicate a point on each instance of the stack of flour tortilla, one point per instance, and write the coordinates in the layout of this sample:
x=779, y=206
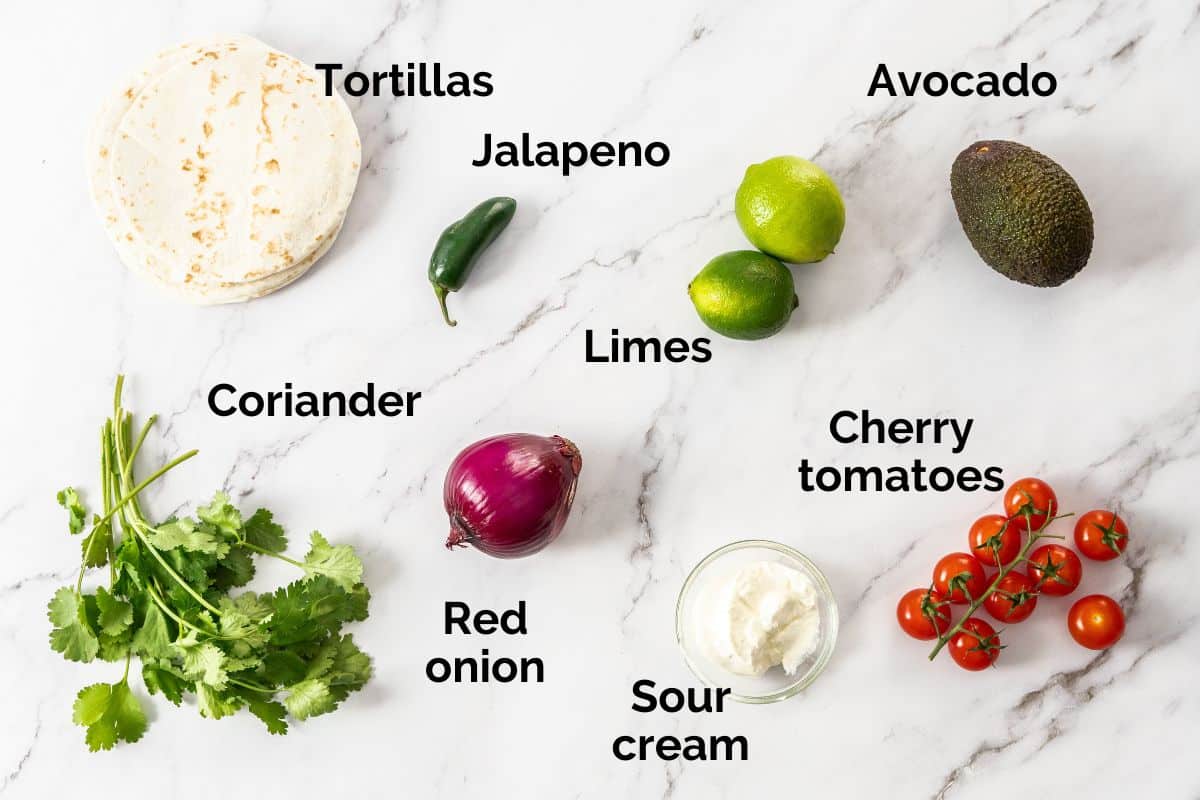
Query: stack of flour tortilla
x=221, y=170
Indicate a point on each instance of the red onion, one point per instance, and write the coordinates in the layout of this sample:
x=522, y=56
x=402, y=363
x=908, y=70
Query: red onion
x=510, y=495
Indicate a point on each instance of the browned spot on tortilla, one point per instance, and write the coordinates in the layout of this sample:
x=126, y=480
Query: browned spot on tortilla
x=214, y=80
x=272, y=247
x=201, y=153
x=207, y=129
x=233, y=101
x=187, y=165
x=272, y=166
x=257, y=190
x=272, y=58
x=266, y=89
x=104, y=152
x=129, y=93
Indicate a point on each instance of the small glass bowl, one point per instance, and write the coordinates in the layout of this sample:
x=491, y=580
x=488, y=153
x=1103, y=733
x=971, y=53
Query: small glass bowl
x=775, y=684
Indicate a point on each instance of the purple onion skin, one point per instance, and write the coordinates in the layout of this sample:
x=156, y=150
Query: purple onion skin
x=509, y=496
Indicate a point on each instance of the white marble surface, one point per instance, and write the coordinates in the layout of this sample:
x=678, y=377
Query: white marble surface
x=1095, y=386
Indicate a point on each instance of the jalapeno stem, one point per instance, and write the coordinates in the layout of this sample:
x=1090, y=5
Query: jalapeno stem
x=440, y=292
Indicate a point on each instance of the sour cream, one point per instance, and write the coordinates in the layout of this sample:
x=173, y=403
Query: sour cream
x=758, y=616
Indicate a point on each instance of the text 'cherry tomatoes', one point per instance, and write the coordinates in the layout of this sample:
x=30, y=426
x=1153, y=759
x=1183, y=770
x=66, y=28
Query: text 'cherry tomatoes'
x=1032, y=499
x=960, y=577
x=976, y=646
x=1056, y=569
x=1096, y=621
x=1101, y=535
x=923, y=613
x=995, y=540
x=1013, y=600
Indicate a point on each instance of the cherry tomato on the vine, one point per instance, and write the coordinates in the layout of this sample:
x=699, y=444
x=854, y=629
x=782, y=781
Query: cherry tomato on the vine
x=960, y=577
x=976, y=646
x=995, y=535
x=1033, y=497
x=1101, y=535
x=1096, y=621
x=1056, y=569
x=923, y=613
x=1014, y=598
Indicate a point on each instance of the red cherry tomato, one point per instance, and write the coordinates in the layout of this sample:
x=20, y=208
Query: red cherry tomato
x=960, y=577
x=976, y=646
x=1014, y=598
x=1096, y=621
x=1056, y=569
x=1101, y=535
x=1032, y=497
x=995, y=535
x=923, y=613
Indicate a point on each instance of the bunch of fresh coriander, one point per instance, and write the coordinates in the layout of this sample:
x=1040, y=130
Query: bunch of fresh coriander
x=168, y=602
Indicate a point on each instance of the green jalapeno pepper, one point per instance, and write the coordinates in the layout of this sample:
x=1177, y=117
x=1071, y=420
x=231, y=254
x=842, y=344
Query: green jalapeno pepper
x=461, y=244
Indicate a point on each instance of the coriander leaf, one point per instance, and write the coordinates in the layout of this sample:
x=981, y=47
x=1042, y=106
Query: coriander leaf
x=215, y=704
x=127, y=562
x=260, y=531
x=110, y=713
x=95, y=545
x=338, y=563
x=271, y=712
x=351, y=666
x=252, y=606
x=239, y=630
x=72, y=634
x=309, y=698
x=153, y=638
x=116, y=615
x=235, y=569
x=204, y=663
x=222, y=516
x=114, y=648
x=308, y=610
x=283, y=668
x=69, y=499
x=185, y=534
x=162, y=678
x=341, y=665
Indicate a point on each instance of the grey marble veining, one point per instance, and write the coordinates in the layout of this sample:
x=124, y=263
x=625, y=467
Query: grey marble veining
x=1094, y=386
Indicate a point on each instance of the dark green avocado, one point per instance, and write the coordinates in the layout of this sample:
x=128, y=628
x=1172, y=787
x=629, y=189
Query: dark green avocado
x=1022, y=212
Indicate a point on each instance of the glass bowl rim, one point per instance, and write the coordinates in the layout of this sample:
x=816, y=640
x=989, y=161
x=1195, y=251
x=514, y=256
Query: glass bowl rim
x=828, y=637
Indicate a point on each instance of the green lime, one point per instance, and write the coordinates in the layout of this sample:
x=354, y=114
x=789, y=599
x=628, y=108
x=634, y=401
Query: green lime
x=791, y=209
x=744, y=295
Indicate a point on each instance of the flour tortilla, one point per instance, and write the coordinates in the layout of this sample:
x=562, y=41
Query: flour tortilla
x=105, y=128
x=214, y=294
x=226, y=172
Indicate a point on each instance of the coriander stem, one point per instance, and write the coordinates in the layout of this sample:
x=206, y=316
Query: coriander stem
x=251, y=687
x=187, y=587
x=266, y=552
x=137, y=445
x=157, y=597
x=135, y=490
